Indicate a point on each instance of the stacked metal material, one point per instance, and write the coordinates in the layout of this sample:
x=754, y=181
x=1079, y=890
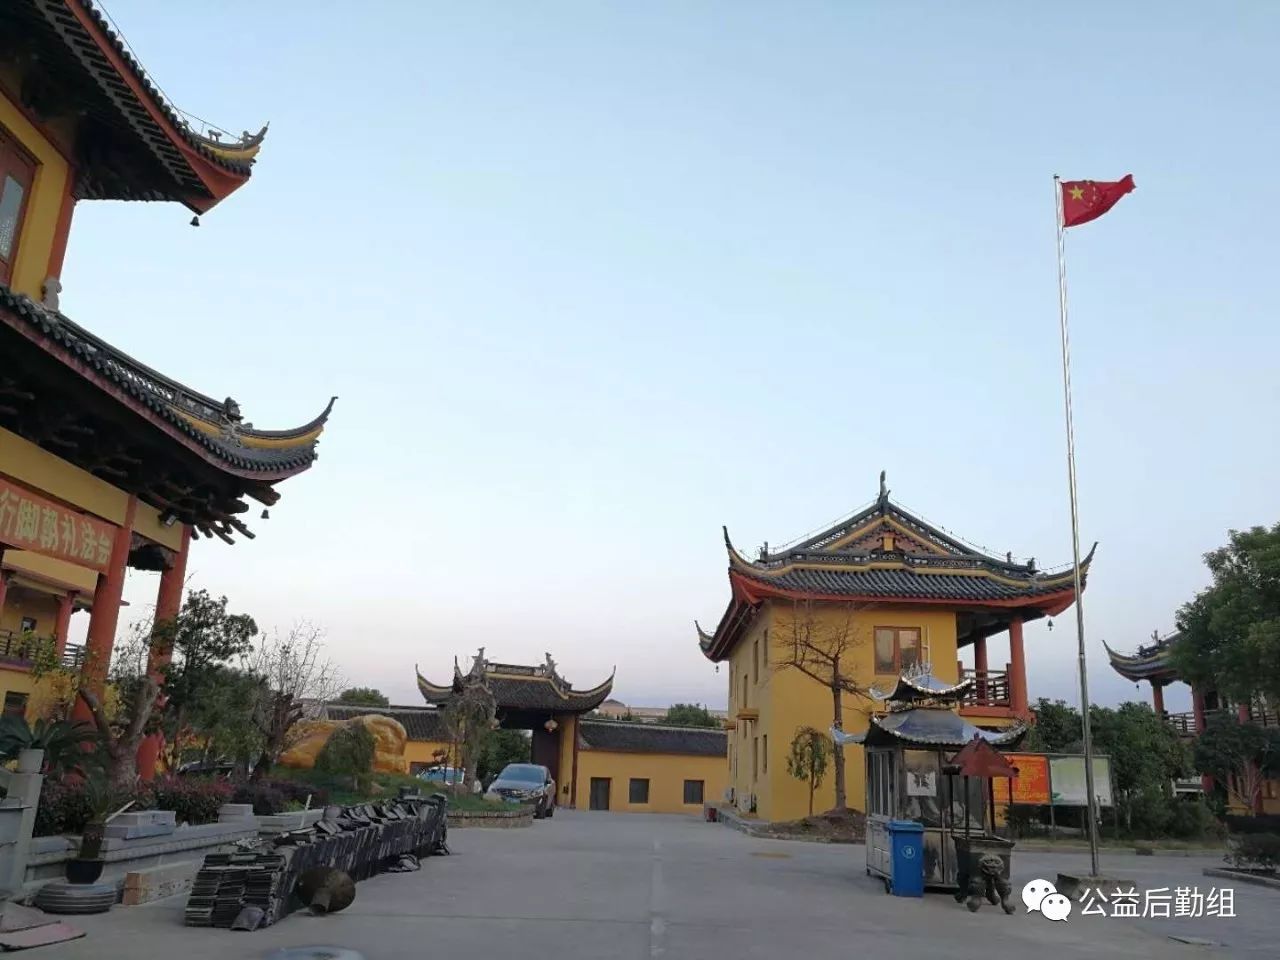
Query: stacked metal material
x=361, y=841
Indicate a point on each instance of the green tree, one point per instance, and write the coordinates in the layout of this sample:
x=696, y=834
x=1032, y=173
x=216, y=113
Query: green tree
x=1057, y=728
x=349, y=753
x=1146, y=756
x=201, y=638
x=807, y=759
x=1239, y=756
x=363, y=697
x=1230, y=631
x=689, y=715
x=470, y=718
x=500, y=748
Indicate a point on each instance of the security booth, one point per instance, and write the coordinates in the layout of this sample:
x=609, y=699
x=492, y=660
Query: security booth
x=910, y=750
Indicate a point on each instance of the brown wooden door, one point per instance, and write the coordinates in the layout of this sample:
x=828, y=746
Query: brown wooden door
x=599, y=793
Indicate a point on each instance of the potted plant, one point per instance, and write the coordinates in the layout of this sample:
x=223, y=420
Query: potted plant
x=47, y=746
x=86, y=866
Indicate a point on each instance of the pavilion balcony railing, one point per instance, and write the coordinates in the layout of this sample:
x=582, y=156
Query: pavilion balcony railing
x=990, y=688
x=16, y=645
x=1184, y=724
x=20, y=647
x=1264, y=715
x=73, y=656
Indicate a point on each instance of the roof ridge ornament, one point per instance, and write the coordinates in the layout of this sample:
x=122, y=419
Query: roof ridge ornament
x=883, y=501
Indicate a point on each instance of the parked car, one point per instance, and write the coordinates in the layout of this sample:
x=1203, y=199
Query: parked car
x=529, y=783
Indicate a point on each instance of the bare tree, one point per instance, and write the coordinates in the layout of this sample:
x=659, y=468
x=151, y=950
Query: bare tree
x=826, y=649
x=469, y=719
x=292, y=670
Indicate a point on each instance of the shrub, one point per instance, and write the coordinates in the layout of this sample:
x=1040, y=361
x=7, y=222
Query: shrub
x=266, y=796
x=348, y=753
x=1255, y=851
x=194, y=799
x=67, y=804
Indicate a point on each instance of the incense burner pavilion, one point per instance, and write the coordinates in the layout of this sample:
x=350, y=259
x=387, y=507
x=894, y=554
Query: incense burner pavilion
x=106, y=464
x=890, y=594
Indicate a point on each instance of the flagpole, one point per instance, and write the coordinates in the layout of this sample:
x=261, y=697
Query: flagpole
x=1075, y=528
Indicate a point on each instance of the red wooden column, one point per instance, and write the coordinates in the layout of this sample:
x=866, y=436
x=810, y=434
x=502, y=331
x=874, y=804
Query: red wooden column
x=1017, y=669
x=1197, y=708
x=62, y=627
x=980, y=668
x=1157, y=698
x=105, y=615
x=168, y=603
x=4, y=584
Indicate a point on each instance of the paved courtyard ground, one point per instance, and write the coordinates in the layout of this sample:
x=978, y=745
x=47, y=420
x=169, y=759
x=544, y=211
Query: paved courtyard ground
x=597, y=886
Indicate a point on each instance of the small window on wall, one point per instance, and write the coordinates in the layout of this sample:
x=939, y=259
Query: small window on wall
x=764, y=753
x=28, y=625
x=639, y=790
x=766, y=648
x=15, y=705
x=896, y=648
x=16, y=173
x=755, y=655
x=693, y=791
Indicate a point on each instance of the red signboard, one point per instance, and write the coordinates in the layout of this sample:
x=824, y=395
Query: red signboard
x=1031, y=785
x=30, y=522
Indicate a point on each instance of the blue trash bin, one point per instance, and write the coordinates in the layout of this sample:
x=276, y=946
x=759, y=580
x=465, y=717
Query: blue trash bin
x=906, y=842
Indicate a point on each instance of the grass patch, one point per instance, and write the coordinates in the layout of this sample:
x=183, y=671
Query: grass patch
x=383, y=786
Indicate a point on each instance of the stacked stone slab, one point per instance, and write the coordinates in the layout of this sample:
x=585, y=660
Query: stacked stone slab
x=361, y=840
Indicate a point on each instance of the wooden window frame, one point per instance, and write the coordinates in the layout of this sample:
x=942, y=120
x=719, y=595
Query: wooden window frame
x=17, y=162
x=632, y=783
x=897, y=648
x=702, y=791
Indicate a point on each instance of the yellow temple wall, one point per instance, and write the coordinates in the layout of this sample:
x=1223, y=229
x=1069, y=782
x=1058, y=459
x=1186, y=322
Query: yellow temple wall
x=48, y=189
x=53, y=572
x=46, y=473
x=665, y=772
x=42, y=608
x=422, y=751
x=788, y=700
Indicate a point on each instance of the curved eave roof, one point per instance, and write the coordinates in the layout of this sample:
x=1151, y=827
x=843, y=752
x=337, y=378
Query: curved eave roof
x=203, y=169
x=522, y=691
x=924, y=687
x=930, y=728
x=837, y=565
x=1147, y=664
x=900, y=576
x=186, y=415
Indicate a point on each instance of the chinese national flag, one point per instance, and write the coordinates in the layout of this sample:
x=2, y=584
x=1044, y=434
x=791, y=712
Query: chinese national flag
x=1085, y=200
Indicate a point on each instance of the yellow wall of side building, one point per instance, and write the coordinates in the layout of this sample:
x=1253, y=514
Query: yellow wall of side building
x=788, y=700
x=666, y=774
x=49, y=187
x=423, y=751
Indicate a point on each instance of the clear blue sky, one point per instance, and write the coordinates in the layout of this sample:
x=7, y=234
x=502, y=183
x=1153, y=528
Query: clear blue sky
x=592, y=279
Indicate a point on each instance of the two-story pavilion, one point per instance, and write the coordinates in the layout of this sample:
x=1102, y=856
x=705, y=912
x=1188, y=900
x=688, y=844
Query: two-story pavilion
x=898, y=595
x=105, y=463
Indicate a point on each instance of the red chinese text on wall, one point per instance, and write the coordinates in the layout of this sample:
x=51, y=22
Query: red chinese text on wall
x=30, y=522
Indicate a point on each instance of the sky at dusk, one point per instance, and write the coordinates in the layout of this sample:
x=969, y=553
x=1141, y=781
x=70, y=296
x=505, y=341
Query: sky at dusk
x=592, y=279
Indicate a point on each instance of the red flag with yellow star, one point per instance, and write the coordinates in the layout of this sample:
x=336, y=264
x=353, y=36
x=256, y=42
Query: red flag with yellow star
x=1085, y=200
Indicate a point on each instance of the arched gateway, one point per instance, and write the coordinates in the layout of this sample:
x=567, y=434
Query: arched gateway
x=534, y=698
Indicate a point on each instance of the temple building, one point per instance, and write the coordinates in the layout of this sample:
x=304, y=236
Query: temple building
x=1153, y=664
x=597, y=763
x=882, y=594
x=105, y=464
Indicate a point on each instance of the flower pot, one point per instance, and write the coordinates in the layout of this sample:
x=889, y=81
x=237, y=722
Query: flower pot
x=30, y=761
x=84, y=869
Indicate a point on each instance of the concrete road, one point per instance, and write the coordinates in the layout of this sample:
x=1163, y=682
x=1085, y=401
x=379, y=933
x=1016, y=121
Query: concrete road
x=597, y=886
